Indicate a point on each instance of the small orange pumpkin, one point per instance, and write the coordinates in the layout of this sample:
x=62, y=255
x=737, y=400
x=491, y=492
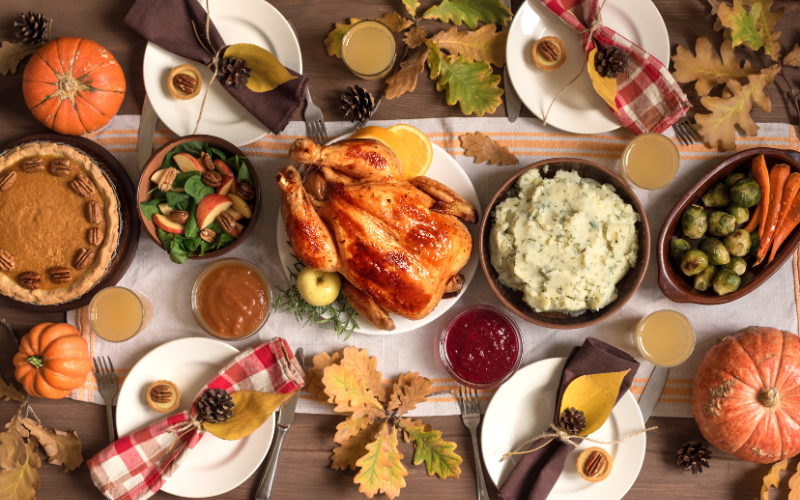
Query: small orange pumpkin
x=53, y=359
x=73, y=85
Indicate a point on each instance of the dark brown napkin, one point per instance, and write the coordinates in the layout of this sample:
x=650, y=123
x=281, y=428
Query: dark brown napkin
x=535, y=474
x=167, y=23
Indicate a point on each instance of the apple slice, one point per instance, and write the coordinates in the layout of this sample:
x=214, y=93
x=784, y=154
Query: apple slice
x=165, y=209
x=241, y=206
x=228, y=185
x=210, y=207
x=187, y=163
x=236, y=215
x=167, y=225
x=156, y=177
x=222, y=168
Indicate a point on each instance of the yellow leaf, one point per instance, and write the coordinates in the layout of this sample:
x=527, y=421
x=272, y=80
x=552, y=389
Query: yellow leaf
x=250, y=410
x=793, y=57
x=706, y=66
x=595, y=395
x=486, y=150
x=605, y=87
x=394, y=21
x=356, y=422
x=485, y=44
x=405, y=80
x=411, y=6
x=773, y=478
x=410, y=390
x=794, y=482
x=266, y=71
x=21, y=482
x=380, y=470
x=62, y=448
x=347, y=454
x=415, y=37
x=333, y=41
x=439, y=456
x=365, y=368
x=315, y=385
x=9, y=392
x=434, y=59
x=348, y=389
x=12, y=443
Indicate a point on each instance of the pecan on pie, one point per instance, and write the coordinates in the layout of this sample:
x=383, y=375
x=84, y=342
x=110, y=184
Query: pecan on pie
x=58, y=197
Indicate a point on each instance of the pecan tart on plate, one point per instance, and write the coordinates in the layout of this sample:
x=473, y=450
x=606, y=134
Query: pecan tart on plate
x=59, y=223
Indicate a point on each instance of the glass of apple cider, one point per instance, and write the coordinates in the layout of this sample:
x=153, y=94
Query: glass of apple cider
x=369, y=50
x=666, y=338
x=650, y=161
x=117, y=314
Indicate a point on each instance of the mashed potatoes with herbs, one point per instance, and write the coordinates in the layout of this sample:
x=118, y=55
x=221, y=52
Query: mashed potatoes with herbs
x=564, y=242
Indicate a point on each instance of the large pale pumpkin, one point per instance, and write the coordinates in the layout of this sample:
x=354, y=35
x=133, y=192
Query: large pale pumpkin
x=53, y=359
x=746, y=397
x=73, y=85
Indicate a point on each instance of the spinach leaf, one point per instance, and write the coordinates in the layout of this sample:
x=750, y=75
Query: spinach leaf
x=178, y=201
x=181, y=178
x=150, y=208
x=178, y=254
x=223, y=241
x=239, y=166
x=167, y=239
x=204, y=247
x=196, y=189
x=216, y=153
x=190, y=244
x=193, y=147
x=216, y=227
x=191, y=230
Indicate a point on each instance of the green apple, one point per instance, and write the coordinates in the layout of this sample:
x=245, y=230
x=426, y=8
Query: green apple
x=318, y=288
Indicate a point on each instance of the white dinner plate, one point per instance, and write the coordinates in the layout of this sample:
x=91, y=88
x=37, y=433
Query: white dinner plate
x=238, y=21
x=579, y=109
x=447, y=171
x=524, y=406
x=214, y=466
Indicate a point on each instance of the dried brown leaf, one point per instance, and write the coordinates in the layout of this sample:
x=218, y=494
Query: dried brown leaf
x=347, y=454
x=315, y=373
x=62, y=448
x=484, y=149
x=773, y=478
x=9, y=392
x=359, y=420
x=394, y=21
x=405, y=80
x=415, y=37
x=11, y=53
x=333, y=40
x=12, y=443
x=410, y=390
x=793, y=57
x=21, y=482
x=485, y=44
x=706, y=66
x=365, y=368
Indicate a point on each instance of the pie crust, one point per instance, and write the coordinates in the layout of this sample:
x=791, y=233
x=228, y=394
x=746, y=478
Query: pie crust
x=44, y=223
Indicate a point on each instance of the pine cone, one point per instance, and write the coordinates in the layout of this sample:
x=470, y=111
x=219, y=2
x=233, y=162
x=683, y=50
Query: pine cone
x=610, y=62
x=215, y=406
x=34, y=29
x=693, y=456
x=357, y=104
x=573, y=420
x=234, y=72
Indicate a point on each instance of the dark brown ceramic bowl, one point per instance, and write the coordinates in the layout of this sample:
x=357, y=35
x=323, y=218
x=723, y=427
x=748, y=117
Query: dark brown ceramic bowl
x=155, y=162
x=679, y=288
x=626, y=287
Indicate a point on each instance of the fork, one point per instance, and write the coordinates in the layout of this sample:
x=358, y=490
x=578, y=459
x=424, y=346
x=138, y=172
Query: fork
x=684, y=129
x=471, y=416
x=315, y=123
x=107, y=385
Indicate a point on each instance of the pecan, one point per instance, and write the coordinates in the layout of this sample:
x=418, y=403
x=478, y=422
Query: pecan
x=161, y=393
x=60, y=274
x=7, y=180
x=225, y=220
x=30, y=280
x=60, y=167
x=207, y=162
x=549, y=51
x=184, y=83
x=246, y=191
x=208, y=235
x=179, y=216
x=83, y=186
x=212, y=179
x=32, y=165
x=165, y=184
x=95, y=236
x=94, y=212
x=6, y=261
x=594, y=464
x=83, y=258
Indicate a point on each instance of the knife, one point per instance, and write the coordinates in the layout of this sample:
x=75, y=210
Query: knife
x=652, y=391
x=513, y=104
x=285, y=417
x=147, y=131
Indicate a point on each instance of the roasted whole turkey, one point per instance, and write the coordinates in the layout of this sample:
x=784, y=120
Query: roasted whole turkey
x=399, y=244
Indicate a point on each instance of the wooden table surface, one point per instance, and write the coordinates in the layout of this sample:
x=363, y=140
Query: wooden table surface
x=305, y=465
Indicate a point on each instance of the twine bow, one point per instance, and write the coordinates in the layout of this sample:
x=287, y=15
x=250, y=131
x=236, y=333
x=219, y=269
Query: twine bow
x=213, y=65
x=556, y=433
x=183, y=428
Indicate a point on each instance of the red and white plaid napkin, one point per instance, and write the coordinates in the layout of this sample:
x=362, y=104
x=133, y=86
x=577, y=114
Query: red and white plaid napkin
x=648, y=97
x=136, y=466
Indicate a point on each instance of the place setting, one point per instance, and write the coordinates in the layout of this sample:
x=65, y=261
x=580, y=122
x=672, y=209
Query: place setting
x=236, y=259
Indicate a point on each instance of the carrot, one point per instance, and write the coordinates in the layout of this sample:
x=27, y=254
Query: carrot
x=786, y=227
x=762, y=177
x=777, y=180
x=754, y=220
x=789, y=192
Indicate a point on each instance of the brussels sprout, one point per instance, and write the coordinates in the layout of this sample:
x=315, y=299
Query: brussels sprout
x=737, y=265
x=726, y=281
x=702, y=280
x=694, y=222
x=738, y=242
x=693, y=261
x=734, y=178
x=716, y=251
x=741, y=214
x=677, y=247
x=717, y=196
x=721, y=224
x=754, y=244
x=746, y=193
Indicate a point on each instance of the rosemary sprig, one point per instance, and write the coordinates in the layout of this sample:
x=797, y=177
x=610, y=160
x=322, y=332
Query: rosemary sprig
x=341, y=317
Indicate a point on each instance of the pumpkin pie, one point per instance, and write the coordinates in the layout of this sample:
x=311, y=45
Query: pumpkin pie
x=59, y=223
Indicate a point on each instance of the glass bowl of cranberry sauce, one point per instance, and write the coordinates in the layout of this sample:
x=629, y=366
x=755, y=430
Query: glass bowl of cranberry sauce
x=481, y=347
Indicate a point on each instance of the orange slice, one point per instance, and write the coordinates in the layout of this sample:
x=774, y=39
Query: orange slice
x=413, y=148
x=378, y=133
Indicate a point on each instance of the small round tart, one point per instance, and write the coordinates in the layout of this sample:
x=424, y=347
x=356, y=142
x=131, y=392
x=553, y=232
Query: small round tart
x=163, y=396
x=549, y=53
x=594, y=464
x=59, y=223
x=184, y=82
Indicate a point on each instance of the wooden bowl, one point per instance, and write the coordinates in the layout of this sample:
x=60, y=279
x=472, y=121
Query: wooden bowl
x=155, y=162
x=679, y=288
x=626, y=287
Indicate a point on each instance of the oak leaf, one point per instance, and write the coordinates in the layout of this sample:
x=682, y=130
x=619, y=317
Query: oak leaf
x=410, y=390
x=22, y=481
x=485, y=44
x=380, y=470
x=356, y=422
x=12, y=443
x=315, y=385
x=11, y=53
x=439, y=456
x=415, y=37
x=411, y=6
x=486, y=150
x=349, y=390
x=394, y=21
x=413, y=423
x=365, y=368
x=405, y=80
x=706, y=66
x=766, y=21
x=793, y=57
x=434, y=59
x=62, y=448
x=333, y=41
x=742, y=24
x=470, y=84
x=469, y=12
x=347, y=454
x=9, y=392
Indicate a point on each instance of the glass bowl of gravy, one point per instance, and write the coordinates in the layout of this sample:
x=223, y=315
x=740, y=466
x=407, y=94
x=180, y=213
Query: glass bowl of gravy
x=231, y=299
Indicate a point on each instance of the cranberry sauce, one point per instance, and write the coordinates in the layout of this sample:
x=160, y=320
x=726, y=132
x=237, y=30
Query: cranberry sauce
x=482, y=346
